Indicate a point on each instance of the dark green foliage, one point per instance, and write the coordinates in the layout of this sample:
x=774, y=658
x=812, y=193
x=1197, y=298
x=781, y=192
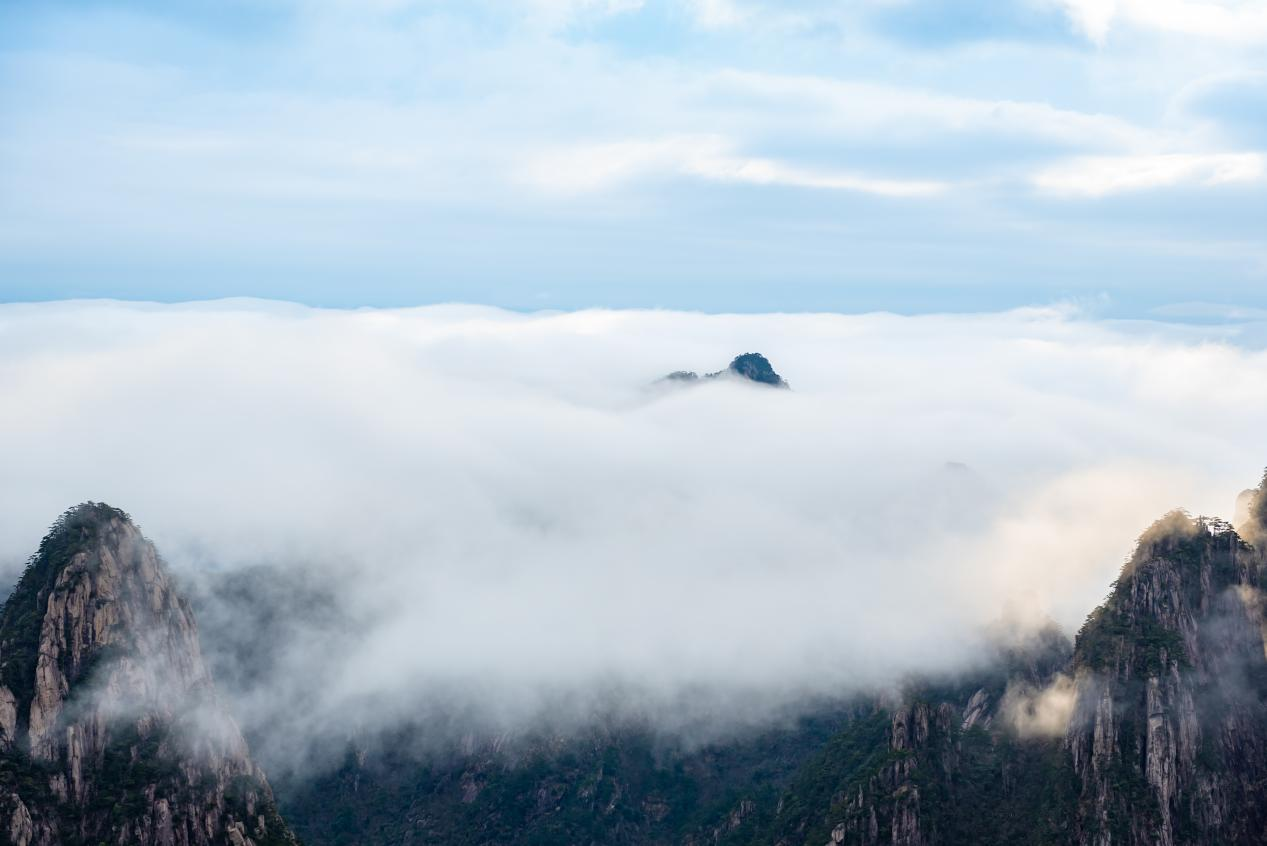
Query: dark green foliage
x=245, y=791
x=28, y=779
x=1014, y=791
x=810, y=804
x=1116, y=637
x=617, y=787
x=1110, y=634
x=996, y=789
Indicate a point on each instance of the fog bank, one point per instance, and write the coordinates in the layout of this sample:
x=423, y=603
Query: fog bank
x=424, y=510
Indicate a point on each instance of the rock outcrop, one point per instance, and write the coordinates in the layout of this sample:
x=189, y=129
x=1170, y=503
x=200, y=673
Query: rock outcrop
x=1154, y=733
x=751, y=367
x=110, y=728
x=1169, y=739
x=920, y=735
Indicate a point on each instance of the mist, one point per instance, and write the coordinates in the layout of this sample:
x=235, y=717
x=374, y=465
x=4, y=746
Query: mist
x=409, y=514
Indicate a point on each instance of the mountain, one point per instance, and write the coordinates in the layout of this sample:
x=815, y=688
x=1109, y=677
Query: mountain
x=1169, y=742
x=1154, y=731
x=110, y=727
x=1150, y=728
x=1147, y=729
x=754, y=367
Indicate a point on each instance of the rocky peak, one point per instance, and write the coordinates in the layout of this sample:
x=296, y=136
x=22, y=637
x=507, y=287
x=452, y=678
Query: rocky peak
x=105, y=699
x=756, y=367
x=752, y=367
x=1169, y=732
x=1186, y=575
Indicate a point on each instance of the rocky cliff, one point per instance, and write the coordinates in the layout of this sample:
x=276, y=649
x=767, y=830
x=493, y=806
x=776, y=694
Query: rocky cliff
x=1169, y=738
x=110, y=729
x=1154, y=732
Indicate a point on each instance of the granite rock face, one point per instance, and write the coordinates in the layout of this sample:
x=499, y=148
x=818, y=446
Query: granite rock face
x=1169, y=739
x=110, y=728
x=1154, y=733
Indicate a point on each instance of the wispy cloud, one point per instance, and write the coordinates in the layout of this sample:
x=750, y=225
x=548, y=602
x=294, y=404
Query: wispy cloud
x=1101, y=176
x=393, y=140
x=599, y=166
x=903, y=112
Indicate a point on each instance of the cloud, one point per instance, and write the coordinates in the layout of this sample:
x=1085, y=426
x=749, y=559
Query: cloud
x=1040, y=712
x=1092, y=17
x=597, y=167
x=1235, y=102
x=1101, y=176
x=163, y=153
x=956, y=22
x=1210, y=311
x=1243, y=21
x=464, y=508
x=556, y=14
x=714, y=14
x=896, y=112
x=939, y=22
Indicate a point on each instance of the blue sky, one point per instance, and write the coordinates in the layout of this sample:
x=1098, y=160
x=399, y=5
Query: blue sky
x=721, y=155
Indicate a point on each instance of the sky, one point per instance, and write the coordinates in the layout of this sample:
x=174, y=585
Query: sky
x=470, y=510
x=715, y=155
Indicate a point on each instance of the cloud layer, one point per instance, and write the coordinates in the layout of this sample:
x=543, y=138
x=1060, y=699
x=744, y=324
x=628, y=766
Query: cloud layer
x=502, y=510
x=723, y=155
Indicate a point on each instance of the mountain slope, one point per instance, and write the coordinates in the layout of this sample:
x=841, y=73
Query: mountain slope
x=1169, y=739
x=1164, y=741
x=1150, y=729
x=110, y=730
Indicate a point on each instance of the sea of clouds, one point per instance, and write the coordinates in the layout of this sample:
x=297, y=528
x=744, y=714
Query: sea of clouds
x=463, y=508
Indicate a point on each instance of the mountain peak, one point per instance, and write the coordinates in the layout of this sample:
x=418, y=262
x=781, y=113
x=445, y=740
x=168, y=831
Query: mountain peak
x=756, y=367
x=101, y=681
x=751, y=366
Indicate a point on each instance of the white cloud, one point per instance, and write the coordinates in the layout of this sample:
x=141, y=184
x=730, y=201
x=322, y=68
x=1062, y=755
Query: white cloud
x=868, y=109
x=1100, y=176
x=556, y=13
x=502, y=508
x=1045, y=712
x=1092, y=17
x=598, y=166
x=715, y=14
x=1243, y=21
